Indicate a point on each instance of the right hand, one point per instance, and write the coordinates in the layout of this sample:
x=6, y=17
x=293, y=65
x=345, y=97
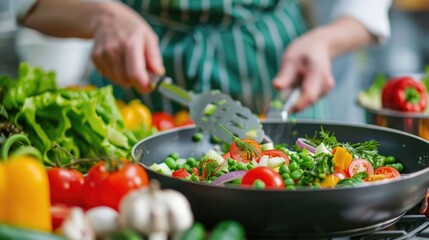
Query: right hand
x=126, y=48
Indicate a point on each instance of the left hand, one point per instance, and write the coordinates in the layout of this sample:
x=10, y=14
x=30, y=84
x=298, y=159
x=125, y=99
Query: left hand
x=306, y=64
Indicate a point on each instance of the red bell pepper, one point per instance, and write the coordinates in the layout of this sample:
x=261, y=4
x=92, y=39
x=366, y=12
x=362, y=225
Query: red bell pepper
x=404, y=94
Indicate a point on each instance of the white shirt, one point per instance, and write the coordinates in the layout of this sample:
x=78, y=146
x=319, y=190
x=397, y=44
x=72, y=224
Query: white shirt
x=372, y=14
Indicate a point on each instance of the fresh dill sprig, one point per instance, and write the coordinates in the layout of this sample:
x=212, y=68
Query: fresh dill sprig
x=250, y=150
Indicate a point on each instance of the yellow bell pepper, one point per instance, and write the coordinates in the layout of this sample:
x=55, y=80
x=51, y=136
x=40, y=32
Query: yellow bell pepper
x=135, y=115
x=24, y=194
x=342, y=159
x=330, y=181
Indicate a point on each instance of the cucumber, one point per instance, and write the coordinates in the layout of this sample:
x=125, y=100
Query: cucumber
x=124, y=235
x=13, y=233
x=227, y=230
x=267, y=146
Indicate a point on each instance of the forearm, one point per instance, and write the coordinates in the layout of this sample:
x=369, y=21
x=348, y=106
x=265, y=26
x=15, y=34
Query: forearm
x=343, y=35
x=66, y=18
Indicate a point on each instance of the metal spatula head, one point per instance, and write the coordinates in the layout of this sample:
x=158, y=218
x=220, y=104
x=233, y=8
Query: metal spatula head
x=210, y=109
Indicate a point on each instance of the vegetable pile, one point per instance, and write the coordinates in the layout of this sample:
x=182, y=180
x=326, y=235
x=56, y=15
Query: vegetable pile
x=317, y=162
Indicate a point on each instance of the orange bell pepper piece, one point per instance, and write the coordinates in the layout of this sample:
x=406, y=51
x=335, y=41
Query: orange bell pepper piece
x=342, y=159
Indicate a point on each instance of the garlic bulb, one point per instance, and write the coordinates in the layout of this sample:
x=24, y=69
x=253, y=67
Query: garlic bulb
x=76, y=226
x=104, y=220
x=155, y=212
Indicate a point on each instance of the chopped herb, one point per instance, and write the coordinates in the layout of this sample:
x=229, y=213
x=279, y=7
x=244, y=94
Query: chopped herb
x=242, y=145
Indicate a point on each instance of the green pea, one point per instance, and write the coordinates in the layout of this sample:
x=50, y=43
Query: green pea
x=241, y=166
x=290, y=187
x=294, y=157
x=285, y=150
x=187, y=167
x=285, y=175
x=289, y=182
x=399, y=167
x=258, y=184
x=197, y=137
x=249, y=166
x=171, y=163
x=232, y=168
x=194, y=178
x=293, y=166
x=214, y=139
x=191, y=162
x=174, y=155
x=230, y=161
x=296, y=175
x=284, y=169
x=389, y=159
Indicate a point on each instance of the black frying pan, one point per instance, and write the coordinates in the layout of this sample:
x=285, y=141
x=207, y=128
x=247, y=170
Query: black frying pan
x=308, y=213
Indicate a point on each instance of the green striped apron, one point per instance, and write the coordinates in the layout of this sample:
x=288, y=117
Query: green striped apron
x=232, y=45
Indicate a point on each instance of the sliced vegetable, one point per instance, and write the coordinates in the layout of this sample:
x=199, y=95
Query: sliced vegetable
x=304, y=144
x=181, y=173
x=276, y=153
x=360, y=165
x=388, y=172
x=228, y=177
x=342, y=159
x=163, y=121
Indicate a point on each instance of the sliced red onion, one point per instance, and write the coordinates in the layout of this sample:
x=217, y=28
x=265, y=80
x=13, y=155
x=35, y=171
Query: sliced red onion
x=227, y=177
x=300, y=142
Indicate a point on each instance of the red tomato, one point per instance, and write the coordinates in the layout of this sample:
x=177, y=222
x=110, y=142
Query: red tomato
x=66, y=186
x=275, y=153
x=388, y=172
x=58, y=214
x=181, y=173
x=104, y=188
x=162, y=121
x=360, y=165
x=226, y=156
x=241, y=156
x=267, y=175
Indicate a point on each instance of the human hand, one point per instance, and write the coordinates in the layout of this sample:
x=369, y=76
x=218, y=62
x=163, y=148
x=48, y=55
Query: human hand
x=306, y=64
x=126, y=48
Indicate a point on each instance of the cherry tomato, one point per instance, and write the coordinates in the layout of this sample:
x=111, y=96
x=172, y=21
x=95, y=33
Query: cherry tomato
x=182, y=118
x=66, y=186
x=275, y=153
x=360, y=165
x=181, y=173
x=104, y=188
x=59, y=212
x=227, y=155
x=388, y=172
x=241, y=155
x=162, y=121
x=267, y=175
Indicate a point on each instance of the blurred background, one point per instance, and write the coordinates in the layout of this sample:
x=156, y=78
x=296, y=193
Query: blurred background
x=407, y=51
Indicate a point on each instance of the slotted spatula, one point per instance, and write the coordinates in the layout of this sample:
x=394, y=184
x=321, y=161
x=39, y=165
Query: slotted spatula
x=212, y=108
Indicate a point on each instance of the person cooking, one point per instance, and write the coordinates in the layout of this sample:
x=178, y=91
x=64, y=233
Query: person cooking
x=246, y=48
